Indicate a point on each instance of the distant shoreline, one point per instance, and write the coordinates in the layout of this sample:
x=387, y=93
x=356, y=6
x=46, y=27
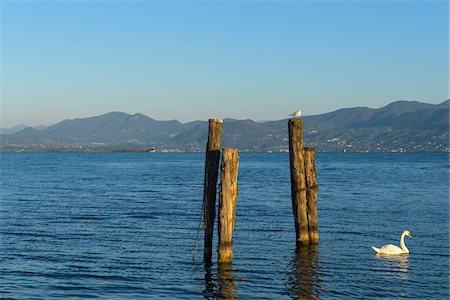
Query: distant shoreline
x=124, y=150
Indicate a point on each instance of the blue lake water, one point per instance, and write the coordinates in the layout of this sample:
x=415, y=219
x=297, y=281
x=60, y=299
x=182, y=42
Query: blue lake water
x=124, y=225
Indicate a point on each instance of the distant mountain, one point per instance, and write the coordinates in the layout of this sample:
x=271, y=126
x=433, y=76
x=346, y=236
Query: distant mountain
x=115, y=128
x=27, y=136
x=18, y=128
x=13, y=129
x=247, y=135
x=402, y=125
x=41, y=127
x=399, y=126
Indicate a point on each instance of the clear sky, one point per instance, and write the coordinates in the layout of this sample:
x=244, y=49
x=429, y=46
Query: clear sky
x=193, y=60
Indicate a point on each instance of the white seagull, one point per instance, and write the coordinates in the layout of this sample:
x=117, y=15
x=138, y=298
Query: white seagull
x=296, y=113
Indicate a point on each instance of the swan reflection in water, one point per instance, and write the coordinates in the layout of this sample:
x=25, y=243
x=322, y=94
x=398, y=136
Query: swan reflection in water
x=223, y=286
x=303, y=279
x=395, y=264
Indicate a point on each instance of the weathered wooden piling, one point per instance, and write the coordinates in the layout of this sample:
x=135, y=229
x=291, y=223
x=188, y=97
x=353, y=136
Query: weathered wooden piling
x=311, y=195
x=209, y=192
x=298, y=181
x=227, y=203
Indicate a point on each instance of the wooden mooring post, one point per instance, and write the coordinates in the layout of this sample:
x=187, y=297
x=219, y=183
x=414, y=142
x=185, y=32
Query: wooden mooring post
x=303, y=186
x=210, y=185
x=228, y=193
x=311, y=195
x=298, y=181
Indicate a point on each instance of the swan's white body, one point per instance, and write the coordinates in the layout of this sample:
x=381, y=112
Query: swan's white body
x=392, y=249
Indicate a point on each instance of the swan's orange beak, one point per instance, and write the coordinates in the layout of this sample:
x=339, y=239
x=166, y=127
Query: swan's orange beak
x=409, y=234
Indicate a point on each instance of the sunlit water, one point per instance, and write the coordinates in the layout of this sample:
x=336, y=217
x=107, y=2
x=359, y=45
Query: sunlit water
x=123, y=226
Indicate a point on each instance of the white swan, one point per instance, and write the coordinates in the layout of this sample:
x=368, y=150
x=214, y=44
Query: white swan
x=392, y=249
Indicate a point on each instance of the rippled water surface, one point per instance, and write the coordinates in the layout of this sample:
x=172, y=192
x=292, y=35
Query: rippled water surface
x=123, y=226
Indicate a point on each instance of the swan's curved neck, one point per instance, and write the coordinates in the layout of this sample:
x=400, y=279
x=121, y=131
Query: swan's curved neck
x=402, y=243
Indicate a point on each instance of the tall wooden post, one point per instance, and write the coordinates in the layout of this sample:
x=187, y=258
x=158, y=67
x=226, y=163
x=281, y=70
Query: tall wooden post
x=227, y=203
x=311, y=195
x=298, y=181
x=210, y=187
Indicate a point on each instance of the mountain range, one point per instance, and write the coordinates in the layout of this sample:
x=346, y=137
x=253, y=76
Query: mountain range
x=399, y=126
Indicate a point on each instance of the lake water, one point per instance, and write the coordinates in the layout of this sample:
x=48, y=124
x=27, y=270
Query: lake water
x=124, y=225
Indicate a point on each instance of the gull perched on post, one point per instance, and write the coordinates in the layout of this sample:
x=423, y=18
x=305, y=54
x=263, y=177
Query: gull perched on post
x=296, y=113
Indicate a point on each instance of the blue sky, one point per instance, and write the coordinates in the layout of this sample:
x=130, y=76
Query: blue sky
x=191, y=60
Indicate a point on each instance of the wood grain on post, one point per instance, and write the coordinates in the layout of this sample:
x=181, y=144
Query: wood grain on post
x=210, y=185
x=298, y=181
x=227, y=203
x=311, y=195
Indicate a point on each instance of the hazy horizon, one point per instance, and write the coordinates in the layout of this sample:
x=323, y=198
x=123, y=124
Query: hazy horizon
x=192, y=60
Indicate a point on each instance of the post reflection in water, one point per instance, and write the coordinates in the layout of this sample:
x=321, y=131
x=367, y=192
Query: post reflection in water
x=222, y=286
x=226, y=279
x=210, y=286
x=303, y=279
